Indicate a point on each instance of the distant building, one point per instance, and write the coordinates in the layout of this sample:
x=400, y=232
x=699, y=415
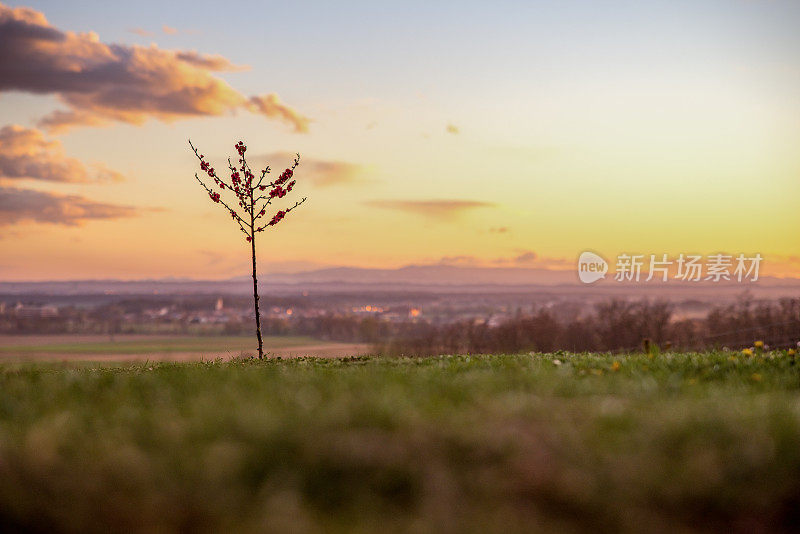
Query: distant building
x=30, y=311
x=369, y=308
x=219, y=306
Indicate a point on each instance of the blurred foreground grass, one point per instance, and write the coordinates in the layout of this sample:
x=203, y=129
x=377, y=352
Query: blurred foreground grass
x=519, y=443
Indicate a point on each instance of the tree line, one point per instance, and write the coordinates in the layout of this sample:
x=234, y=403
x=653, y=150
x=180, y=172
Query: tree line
x=616, y=325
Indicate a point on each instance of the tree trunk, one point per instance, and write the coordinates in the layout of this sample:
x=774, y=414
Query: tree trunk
x=255, y=299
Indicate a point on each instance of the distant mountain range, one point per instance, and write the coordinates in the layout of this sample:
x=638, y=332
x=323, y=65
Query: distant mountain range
x=446, y=278
x=447, y=275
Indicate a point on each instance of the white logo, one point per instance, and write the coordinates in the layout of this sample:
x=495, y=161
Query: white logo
x=591, y=267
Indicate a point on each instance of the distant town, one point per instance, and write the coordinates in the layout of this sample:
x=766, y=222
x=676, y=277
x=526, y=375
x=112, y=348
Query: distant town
x=406, y=318
x=213, y=314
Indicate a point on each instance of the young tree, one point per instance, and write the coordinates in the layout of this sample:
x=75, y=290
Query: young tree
x=253, y=199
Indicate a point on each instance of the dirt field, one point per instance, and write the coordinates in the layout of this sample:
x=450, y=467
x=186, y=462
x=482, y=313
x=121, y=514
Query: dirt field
x=161, y=348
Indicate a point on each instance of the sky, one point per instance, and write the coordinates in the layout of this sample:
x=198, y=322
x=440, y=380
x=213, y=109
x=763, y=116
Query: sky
x=470, y=133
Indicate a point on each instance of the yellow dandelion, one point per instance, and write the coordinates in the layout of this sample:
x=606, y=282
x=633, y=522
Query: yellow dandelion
x=756, y=377
x=792, y=352
x=747, y=352
x=615, y=366
x=759, y=344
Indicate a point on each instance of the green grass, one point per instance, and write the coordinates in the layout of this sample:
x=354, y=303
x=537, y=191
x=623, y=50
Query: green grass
x=513, y=443
x=158, y=345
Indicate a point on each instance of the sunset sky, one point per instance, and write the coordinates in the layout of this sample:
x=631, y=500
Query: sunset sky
x=470, y=133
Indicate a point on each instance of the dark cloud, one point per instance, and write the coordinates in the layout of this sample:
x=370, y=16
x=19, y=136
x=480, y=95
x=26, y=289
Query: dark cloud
x=25, y=153
x=102, y=82
x=18, y=205
x=437, y=209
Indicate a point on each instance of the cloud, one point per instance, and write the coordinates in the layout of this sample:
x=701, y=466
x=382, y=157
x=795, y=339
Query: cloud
x=526, y=257
x=213, y=258
x=779, y=265
x=436, y=209
x=464, y=261
x=101, y=83
x=529, y=258
x=549, y=262
x=452, y=129
x=213, y=62
x=168, y=30
x=522, y=259
x=271, y=106
x=25, y=153
x=18, y=205
x=142, y=32
x=321, y=173
x=328, y=173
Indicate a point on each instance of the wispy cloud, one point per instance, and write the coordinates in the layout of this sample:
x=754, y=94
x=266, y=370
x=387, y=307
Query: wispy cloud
x=217, y=259
x=19, y=205
x=320, y=172
x=528, y=256
x=435, y=209
x=25, y=153
x=100, y=82
x=271, y=106
x=519, y=259
x=141, y=32
x=213, y=62
x=167, y=30
x=461, y=261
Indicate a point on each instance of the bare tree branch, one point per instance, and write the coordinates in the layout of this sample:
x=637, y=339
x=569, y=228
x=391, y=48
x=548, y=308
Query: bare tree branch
x=200, y=157
x=233, y=213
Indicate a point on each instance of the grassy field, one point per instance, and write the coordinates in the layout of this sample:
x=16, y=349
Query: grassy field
x=511, y=443
x=156, y=347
